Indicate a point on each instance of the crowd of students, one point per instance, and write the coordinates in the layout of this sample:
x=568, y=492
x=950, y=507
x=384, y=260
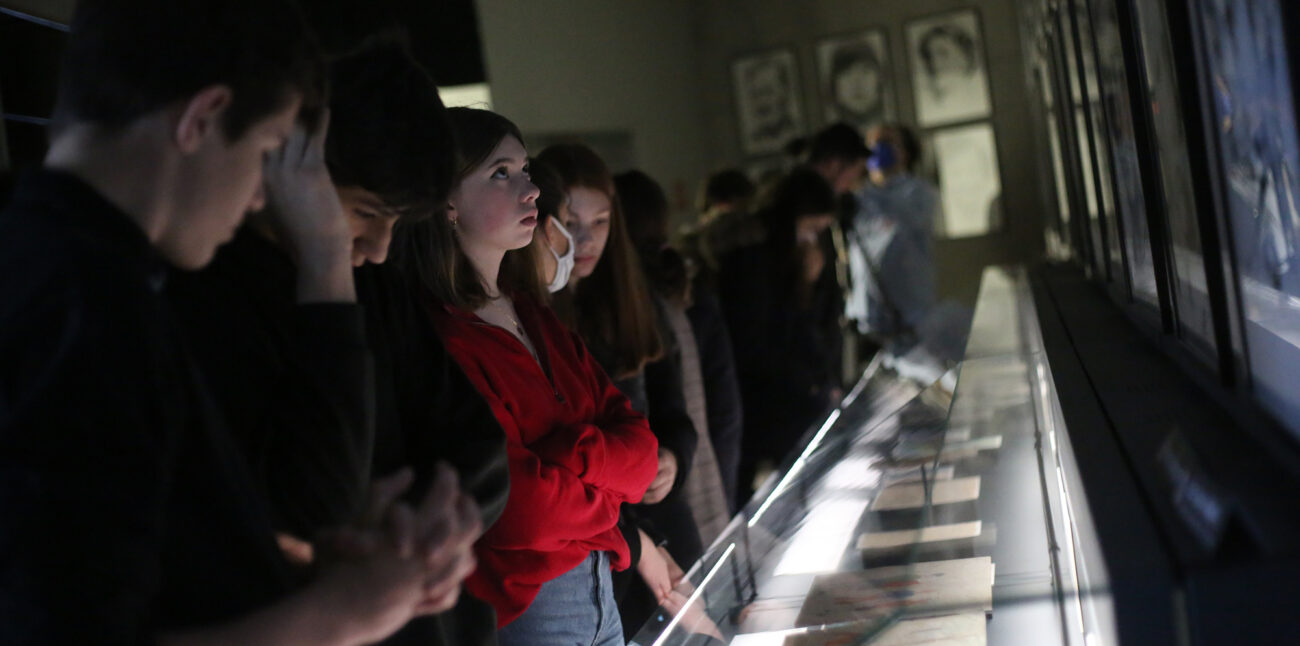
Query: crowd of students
x=435, y=388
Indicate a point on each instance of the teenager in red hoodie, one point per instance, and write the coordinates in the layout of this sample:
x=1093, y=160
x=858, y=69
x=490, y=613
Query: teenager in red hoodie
x=576, y=448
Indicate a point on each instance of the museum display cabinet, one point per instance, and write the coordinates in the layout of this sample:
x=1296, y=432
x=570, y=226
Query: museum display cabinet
x=1068, y=482
x=916, y=513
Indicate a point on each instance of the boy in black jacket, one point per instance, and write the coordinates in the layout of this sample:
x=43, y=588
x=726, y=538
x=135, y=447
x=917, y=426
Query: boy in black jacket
x=129, y=514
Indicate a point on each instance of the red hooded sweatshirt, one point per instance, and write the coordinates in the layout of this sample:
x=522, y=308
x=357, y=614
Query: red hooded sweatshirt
x=575, y=446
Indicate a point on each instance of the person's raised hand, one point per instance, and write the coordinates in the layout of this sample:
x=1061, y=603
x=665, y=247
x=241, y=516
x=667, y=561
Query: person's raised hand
x=303, y=201
x=307, y=216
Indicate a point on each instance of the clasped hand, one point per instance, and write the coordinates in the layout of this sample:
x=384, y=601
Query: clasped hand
x=400, y=561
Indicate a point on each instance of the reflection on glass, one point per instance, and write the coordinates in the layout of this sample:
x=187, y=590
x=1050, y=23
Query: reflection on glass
x=1190, y=297
x=1054, y=144
x=824, y=549
x=1083, y=146
x=1089, y=179
x=1058, y=170
x=1099, y=137
x=1255, y=123
x=907, y=508
x=1113, y=80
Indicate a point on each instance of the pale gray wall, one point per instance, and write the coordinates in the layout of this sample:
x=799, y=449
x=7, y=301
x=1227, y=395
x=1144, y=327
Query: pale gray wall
x=572, y=66
x=661, y=70
x=736, y=27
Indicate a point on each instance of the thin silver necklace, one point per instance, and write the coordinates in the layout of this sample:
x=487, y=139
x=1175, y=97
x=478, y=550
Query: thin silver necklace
x=508, y=312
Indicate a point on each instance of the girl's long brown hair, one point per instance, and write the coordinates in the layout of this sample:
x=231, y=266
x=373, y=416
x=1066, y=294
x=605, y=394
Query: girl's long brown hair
x=427, y=251
x=613, y=304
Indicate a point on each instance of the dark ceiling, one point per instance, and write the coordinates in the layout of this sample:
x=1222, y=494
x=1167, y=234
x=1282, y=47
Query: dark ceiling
x=444, y=34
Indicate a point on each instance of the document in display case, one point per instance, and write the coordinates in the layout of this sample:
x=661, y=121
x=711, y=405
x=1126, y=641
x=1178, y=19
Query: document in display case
x=952, y=630
x=916, y=495
x=921, y=589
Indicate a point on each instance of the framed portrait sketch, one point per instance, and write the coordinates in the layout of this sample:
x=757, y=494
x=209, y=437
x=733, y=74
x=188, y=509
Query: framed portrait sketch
x=854, y=80
x=949, y=75
x=970, y=184
x=1253, y=119
x=768, y=100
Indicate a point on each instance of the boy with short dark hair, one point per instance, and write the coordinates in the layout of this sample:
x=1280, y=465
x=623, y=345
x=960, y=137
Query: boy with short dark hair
x=129, y=515
x=274, y=319
x=839, y=154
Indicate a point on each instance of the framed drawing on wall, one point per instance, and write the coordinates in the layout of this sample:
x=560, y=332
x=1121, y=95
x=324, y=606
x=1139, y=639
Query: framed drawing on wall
x=1255, y=126
x=853, y=76
x=949, y=75
x=969, y=182
x=768, y=100
x=1252, y=115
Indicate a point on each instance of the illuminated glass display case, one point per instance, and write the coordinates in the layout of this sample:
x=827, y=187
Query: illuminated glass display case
x=917, y=513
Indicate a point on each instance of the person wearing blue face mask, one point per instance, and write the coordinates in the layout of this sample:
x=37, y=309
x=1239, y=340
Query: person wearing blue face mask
x=893, y=267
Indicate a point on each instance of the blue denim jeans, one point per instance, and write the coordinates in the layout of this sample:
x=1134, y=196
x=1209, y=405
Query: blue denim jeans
x=575, y=609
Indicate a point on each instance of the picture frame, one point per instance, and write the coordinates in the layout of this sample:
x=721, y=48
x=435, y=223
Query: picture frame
x=855, y=79
x=1096, y=128
x=1169, y=144
x=1249, y=72
x=1253, y=119
x=1076, y=145
x=949, y=69
x=769, y=100
x=1129, y=192
x=970, y=181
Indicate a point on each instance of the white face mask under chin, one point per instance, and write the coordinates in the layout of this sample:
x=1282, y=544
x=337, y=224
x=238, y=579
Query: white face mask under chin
x=563, y=264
